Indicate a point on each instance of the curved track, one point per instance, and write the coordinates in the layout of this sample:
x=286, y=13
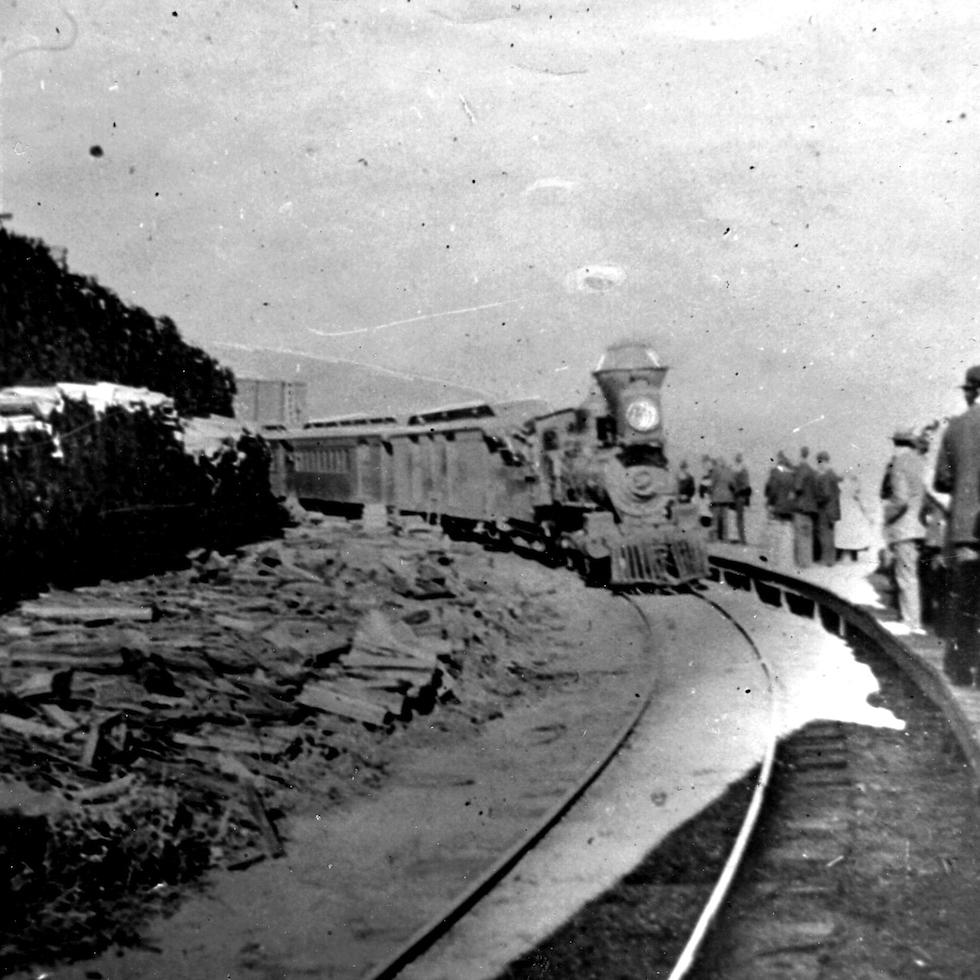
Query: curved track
x=709, y=913
x=631, y=799
x=705, y=723
x=434, y=930
x=444, y=952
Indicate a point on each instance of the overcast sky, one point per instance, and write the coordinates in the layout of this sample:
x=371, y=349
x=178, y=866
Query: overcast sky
x=782, y=196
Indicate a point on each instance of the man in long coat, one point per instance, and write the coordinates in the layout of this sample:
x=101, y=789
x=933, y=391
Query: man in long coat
x=722, y=498
x=958, y=474
x=779, y=511
x=743, y=495
x=828, y=509
x=804, y=509
x=903, y=496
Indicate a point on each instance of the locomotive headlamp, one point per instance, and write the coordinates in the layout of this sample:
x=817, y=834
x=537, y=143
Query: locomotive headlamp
x=642, y=414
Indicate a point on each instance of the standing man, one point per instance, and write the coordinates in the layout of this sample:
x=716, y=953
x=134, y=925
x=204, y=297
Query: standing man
x=935, y=573
x=722, y=498
x=958, y=474
x=903, y=494
x=828, y=509
x=685, y=484
x=804, y=509
x=779, y=510
x=743, y=495
x=704, y=493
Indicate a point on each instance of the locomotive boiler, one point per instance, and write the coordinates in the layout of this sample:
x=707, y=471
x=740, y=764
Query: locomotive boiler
x=588, y=485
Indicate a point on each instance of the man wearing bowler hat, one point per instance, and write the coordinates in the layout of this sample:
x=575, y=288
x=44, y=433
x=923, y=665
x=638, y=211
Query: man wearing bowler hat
x=958, y=474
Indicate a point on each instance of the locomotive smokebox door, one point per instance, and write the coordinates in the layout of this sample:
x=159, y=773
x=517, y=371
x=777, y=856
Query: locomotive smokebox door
x=630, y=376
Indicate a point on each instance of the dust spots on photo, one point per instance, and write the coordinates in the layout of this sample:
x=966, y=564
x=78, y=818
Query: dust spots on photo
x=550, y=189
x=477, y=11
x=595, y=279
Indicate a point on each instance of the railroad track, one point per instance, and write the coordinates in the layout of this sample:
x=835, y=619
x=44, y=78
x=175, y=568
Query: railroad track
x=786, y=923
x=616, y=793
x=423, y=940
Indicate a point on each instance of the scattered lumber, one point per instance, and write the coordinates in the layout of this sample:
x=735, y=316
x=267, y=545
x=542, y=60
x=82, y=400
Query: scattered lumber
x=175, y=711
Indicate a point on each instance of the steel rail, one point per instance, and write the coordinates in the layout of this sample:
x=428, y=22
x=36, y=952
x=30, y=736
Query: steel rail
x=803, y=598
x=850, y=621
x=689, y=954
x=431, y=932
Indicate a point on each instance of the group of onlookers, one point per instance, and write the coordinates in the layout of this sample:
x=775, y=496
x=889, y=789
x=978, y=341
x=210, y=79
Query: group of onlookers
x=722, y=490
x=932, y=528
x=803, y=504
x=810, y=517
x=930, y=522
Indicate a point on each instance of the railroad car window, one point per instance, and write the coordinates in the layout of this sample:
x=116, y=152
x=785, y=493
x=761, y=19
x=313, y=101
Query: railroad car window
x=549, y=439
x=452, y=414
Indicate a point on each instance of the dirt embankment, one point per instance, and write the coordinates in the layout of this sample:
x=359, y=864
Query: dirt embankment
x=156, y=731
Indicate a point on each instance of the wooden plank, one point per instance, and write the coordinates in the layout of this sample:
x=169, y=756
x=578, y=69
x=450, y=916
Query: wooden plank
x=113, y=788
x=353, y=687
x=270, y=837
x=327, y=699
x=31, y=729
x=217, y=742
x=368, y=661
x=94, y=738
x=93, y=657
x=243, y=624
x=93, y=613
x=60, y=717
x=39, y=683
x=232, y=766
x=307, y=638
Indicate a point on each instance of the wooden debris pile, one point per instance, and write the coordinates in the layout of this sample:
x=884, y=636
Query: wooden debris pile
x=149, y=730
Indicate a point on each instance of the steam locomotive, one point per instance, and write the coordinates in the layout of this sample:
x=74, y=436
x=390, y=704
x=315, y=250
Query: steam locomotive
x=588, y=485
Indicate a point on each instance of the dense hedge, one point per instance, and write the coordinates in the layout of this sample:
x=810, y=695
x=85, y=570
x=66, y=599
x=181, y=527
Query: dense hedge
x=57, y=326
x=124, y=497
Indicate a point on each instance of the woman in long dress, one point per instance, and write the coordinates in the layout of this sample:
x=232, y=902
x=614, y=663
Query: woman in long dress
x=853, y=532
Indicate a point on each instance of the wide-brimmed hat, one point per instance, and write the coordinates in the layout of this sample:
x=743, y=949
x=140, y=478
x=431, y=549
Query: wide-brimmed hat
x=972, y=379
